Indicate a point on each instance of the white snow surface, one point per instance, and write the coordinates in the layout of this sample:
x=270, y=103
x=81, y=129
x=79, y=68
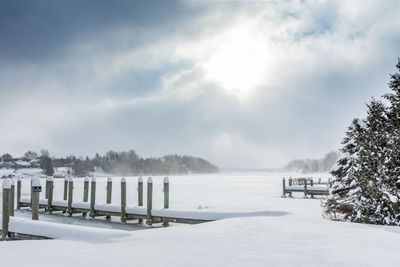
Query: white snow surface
x=267, y=230
x=64, y=231
x=29, y=172
x=35, y=181
x=6, y=183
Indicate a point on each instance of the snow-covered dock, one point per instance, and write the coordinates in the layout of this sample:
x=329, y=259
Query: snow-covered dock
x=126, y=213
x=306, y=186
x=132, y=213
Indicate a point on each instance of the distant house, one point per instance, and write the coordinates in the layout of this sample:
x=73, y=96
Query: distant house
x=35, y=163
x=22, y=164
x=9, y=165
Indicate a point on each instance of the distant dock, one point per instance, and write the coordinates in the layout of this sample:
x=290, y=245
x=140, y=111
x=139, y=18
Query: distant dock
x=306, y=186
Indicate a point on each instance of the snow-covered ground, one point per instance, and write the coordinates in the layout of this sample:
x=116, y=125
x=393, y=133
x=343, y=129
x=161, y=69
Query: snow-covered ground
x=27, y=172
x=284, y=232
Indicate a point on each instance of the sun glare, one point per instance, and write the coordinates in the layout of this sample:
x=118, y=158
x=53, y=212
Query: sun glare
x=238, y=61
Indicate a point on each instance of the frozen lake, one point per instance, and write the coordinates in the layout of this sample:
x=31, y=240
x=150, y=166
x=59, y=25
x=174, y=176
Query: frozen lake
x=291, y=232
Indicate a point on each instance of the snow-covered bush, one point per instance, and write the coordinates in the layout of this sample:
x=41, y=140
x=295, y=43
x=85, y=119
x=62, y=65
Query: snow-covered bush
x=366, y=186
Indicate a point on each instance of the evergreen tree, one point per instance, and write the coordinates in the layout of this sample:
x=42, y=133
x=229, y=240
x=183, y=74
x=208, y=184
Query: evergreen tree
x=366, y=185
x=6, y=157
x=46, y=164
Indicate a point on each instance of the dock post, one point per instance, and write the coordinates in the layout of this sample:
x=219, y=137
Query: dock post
x=19, y=193
x=140, y=194
x=50, y=192
x=85, y=193
x=65, y=188
x=305, y=188
x=86, y=190
x=36, y=189
x=46, y=194
x=92, y=197
x=312, y=184
x=149, y=200
x=12, y=197
x=283, y=187
x=30, y=204
x=166, y=193
x=290, y=184
x=166, y=196
x=109, y=190
x=6, y=215
x=70, y=194
x=123, y=200
x=109, y=194
x=65, y=196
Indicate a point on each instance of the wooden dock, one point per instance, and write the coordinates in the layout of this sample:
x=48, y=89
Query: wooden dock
x=126, y=213
x=306, y=186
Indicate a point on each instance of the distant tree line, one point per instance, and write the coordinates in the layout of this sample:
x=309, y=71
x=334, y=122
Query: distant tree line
x=118, y=163
x=314, y=165
x=130, y=163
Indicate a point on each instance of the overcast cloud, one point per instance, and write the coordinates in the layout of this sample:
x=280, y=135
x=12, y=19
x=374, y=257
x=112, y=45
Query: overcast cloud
x=243, y=84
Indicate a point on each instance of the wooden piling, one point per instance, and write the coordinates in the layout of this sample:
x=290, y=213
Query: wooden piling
x=86, y=190
x=65, y=188
x=140, y=194
x=305, y=188
x=123, y=200
x=149, y=200
x=92, y=197
x=109, y=190
x=109, y=194
x=6, y=214
x=85, y=193
x=166, y=196
x=166, y=193
x=36, y=189
x=50, y=193
x=290, y=184
x=70, y=194
x=283, y=187
x=46, y=195
x=312, y=184
x=30, y=204
x=12, y=195
x=19, y=193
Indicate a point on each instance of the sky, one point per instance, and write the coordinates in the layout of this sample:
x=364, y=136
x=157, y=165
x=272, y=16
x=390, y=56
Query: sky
x=244, y=84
